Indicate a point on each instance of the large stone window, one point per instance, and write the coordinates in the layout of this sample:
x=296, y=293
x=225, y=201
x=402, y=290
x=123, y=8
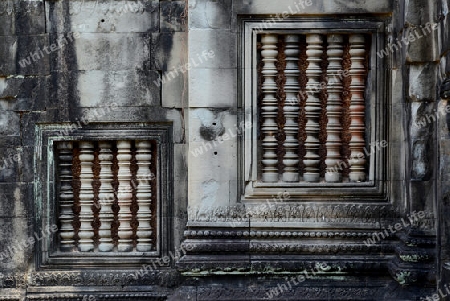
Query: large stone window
x=106, y=189
x=313, y=91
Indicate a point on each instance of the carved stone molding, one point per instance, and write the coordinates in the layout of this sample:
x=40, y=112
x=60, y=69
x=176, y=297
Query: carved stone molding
x=296, y=293
x=109, y=296
x=294, y=212
x=415, y=258
x=12, y=280
x=104, y=278
x=192, y=265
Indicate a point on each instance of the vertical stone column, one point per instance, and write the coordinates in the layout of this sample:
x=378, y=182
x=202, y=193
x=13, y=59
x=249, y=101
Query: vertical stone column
x=66, y=196
x=357, y=107
x=144, y=196
x=314, y=50
x=124, y=196
x=106, y=197
x=86, y=233
x=290, y=109
x=335, y=52
x=269, y=109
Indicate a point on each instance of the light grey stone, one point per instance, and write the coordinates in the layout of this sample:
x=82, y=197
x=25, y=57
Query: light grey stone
x=103, y=16
x=112, y=51
x=175, y=92
x=422, y=82
x=312, y=7
x=220, y=44
x=210, y=14
x=213, y=88
x=124, y=88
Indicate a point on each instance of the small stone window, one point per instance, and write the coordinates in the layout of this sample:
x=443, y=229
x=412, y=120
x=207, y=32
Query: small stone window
x=105, y=194
x=313, y=93
x=106, y=187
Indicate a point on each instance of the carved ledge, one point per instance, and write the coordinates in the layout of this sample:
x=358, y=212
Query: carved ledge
x=294, y=212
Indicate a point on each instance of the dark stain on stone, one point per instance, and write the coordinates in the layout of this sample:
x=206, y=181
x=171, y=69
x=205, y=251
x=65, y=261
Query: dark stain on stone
x=323, y=119
x=212, y=132
x=134, y=204
x=281, y=99
x=115, y=206
x=346, y=135
x=302, y=80
x=63, y=63
x=76, y=185
x=96, y=183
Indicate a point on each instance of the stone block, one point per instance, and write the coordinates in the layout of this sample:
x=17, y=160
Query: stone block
x=13, y=235
x=29, y=17
x=103, y=16
x=8, y=50
x=295, y=7
x=422, y=82
x=397, y=80
x=220, y=44
x=210, y=14
x=423, y=46
x=124, y=88
x=422, y=159
x=209, y=125
x=9, y=123
x=423, y=119
x=420, y=11
x=424, y=196
x=172, y=16
x=169, y=51
x=208, y=194
x=32, y=56
x=175, y=92
x=23, y=94
x=100, y=51
x=212, y=88
x=6, y=18
x=14, y=199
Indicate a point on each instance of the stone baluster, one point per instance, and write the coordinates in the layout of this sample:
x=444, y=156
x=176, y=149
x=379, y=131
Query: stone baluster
x=335, y=52
x=66, y=196
x=314, y=51
x=86, y=232
x=124, y=196
x=269, y=109
x=291, y=107
x=106, y=197
x=357, y=107
x=144, y=196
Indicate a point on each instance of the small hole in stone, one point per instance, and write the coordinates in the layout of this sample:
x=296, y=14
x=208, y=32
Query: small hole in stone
x=103, y=20
x=215, y=153
x=214, y=123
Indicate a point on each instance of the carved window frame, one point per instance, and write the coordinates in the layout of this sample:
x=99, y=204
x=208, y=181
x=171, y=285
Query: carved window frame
x=46, y=199
x=377, y=110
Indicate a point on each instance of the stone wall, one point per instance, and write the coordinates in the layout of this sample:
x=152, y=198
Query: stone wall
x=94, y=64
